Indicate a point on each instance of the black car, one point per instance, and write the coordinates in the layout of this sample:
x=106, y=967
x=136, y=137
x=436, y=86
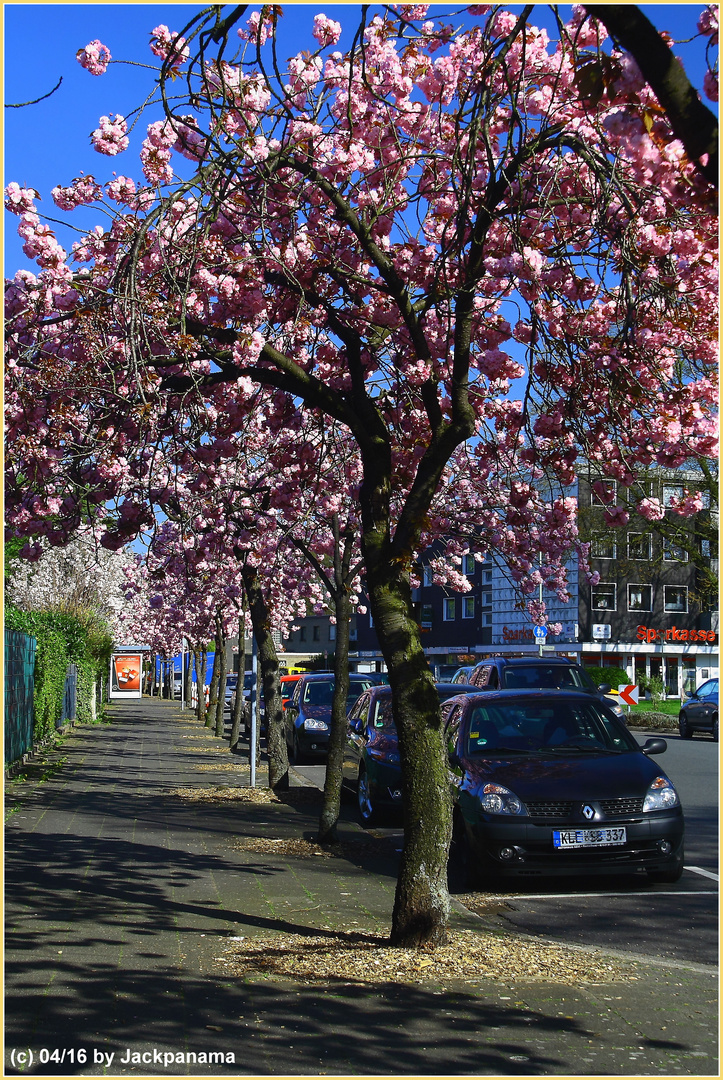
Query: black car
x=532, y=673
x=552, y=782
x=307, y=717
x=700, y=711
x=372, y=766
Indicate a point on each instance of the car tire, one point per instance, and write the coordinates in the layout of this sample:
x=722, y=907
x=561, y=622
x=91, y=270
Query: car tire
x=684, y=727
x=671, y=874
x=714, y=729
x=368, y=813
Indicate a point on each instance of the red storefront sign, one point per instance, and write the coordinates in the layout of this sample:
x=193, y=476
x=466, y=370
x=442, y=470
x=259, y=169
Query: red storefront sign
x=673, y=634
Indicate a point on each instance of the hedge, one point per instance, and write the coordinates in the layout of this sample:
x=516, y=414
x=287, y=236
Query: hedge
x=62, y=639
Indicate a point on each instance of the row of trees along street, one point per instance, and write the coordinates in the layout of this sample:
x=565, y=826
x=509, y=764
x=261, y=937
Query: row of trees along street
x=360, y=302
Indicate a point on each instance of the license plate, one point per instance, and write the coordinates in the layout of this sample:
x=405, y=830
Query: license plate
x=563, y=839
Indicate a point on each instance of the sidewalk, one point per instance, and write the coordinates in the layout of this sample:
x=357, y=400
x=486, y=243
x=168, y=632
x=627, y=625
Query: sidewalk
x=121, y=895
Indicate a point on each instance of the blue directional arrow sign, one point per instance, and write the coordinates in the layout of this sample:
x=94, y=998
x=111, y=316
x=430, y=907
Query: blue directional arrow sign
x=540, y=632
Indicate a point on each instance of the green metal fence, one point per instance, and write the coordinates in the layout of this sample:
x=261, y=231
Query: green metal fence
x=19, y=688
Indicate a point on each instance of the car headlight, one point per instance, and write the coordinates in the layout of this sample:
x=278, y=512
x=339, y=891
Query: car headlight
x=495, y=799
x=661, y=795
x=310, y=724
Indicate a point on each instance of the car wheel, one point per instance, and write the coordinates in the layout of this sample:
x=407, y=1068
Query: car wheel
x=670, y=874
x=714, y=729
x=368, y=813
x=684, y=727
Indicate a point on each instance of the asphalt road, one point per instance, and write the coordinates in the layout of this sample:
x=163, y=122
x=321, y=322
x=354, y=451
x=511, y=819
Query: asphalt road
x=671, y=922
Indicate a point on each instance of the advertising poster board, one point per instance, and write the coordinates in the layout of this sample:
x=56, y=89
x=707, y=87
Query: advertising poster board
x=125, y=675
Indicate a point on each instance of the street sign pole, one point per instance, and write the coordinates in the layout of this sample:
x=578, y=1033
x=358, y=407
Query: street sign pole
x=540, y=633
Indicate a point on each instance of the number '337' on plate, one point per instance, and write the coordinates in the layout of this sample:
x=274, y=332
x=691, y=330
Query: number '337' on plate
x=563, y=839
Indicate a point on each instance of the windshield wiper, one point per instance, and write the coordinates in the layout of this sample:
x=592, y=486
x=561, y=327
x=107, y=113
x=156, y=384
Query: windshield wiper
x=583, y=747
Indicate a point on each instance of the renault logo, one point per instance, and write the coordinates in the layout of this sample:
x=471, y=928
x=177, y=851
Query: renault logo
x=588, y=812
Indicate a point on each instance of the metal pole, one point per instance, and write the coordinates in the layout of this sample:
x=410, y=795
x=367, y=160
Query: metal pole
x=254, y=717
x=183, y=673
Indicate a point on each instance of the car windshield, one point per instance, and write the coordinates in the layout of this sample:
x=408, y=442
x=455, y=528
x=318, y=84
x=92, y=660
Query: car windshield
x=553, y=676
x=545, y=726
x=321, y=693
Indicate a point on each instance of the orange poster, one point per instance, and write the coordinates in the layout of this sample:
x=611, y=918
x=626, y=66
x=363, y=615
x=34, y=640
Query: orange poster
x=127, y=672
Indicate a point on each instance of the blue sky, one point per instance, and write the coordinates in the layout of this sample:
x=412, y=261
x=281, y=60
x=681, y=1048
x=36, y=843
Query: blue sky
x=48, y=143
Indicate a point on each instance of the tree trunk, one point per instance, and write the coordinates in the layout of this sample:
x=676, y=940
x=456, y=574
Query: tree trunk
x=200, y=658
x=213, y=687
x=337, y=740
x=238, y=706
x=221, y=693
x=269, y=663
x=421, y=903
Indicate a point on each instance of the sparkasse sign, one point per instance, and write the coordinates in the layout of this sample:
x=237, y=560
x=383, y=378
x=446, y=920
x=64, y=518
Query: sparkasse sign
x=649, y=635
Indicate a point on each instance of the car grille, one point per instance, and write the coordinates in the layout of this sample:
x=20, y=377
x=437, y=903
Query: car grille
x=562, y=811
x=621, y=807
x=558, y=810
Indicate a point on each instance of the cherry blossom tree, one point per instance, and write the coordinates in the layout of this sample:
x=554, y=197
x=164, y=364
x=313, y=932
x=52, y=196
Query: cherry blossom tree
x=443, y=239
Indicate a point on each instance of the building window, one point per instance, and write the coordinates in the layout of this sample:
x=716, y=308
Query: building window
x=675, y=597
x=427, y=614
x=603, y=492
x=316, y=632
x=449, y=609
x=674, y=552
x=488, y=577
x=427, y=575
x=302, y=633
x=468, y=607
x=642, y=489
x=603, y=597
x=640, y=597
x=672, y=493
x=640, y=546
x=487, y=618
x=705, y=548
x=603, y=547
x=332, y=631
x=468, y=565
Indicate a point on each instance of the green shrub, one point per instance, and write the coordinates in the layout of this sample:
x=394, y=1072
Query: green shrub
x=613, y=675
x=62, y=639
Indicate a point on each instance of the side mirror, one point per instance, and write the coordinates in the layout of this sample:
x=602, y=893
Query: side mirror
x=355, y=725
x=605, y=688
x=655, y=746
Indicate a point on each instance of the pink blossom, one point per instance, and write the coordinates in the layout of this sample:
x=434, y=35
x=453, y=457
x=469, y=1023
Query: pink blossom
x=19, y=200
x=110, y=136
x=652, y=509
x=708, y=23
x=95, y=57
x=166, y=44
x=616, y=516
x=326, y=31
x=710, y=85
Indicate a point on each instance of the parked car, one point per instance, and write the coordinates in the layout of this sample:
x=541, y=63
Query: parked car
x=552, y=782
x=699, y=711
x=287, y=682
x=247, y=687
x=372, y=766
x=307, y=716
x=532, y=672
x=231, y=683
x=462, y=674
